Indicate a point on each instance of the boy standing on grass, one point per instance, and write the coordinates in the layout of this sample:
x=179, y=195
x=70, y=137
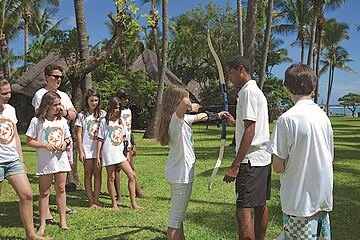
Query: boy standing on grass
x=11, y=161
x=302, y=149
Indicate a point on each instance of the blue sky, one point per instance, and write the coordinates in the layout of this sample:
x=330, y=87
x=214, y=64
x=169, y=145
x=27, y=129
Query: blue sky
x=96, y=15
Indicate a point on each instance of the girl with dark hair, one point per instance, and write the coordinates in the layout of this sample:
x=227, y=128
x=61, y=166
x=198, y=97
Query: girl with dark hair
x=86, y=128
x=110, y=149
x=50, y=135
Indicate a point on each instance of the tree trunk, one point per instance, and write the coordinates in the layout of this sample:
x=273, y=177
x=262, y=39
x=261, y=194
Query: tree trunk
x=240, y=28
x=266, y=43
x=313, y=31
x=250, y=33
x=302, y=51
x=150, y=130
x=5, y=54
x=82, y=40
x=26, y=18
x=331, y=75
x=320, y=25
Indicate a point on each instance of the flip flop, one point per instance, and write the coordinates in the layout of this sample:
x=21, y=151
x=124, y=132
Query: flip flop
x=71, y=211
x=50, y=221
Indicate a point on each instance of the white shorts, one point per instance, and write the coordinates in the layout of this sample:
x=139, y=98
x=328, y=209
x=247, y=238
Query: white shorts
x=180, y=197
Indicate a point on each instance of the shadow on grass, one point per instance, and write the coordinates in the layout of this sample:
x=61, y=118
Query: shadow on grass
x=136, y=229
x=10, y=216
x=10, y=238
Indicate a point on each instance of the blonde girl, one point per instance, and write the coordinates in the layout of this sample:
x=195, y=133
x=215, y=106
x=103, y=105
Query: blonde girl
x=50, y=135
x=110, y=149
x=86, y=128
x=174, y=129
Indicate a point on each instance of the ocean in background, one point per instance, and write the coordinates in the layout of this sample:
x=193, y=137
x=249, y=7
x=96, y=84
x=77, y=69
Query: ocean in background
x=338, y=110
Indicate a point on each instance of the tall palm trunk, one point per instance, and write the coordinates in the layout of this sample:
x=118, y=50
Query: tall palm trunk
x=302, y=50
x=154, y=29
x=26, y=17
x=250, y=30
x=82, y=40
x=266, y=43
x=150, y=130
x=240, y=28
x=320, y=26
x=316, y=8
x=330, y=82
x=5, y=52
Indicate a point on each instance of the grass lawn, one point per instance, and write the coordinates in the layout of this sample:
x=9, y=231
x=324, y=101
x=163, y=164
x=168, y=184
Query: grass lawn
x=210, y=215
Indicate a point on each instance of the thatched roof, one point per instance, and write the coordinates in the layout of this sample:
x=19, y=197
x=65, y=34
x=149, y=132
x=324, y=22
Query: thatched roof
x=34, y=79
x=148, y=62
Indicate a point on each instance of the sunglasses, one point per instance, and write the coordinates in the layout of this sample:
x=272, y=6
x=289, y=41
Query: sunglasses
x=57, y=76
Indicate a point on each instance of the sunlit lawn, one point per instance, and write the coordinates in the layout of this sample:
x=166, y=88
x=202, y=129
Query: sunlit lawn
x=210, y=215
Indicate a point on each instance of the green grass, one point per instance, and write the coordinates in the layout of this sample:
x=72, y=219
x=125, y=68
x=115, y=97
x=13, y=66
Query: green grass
x=209, y=215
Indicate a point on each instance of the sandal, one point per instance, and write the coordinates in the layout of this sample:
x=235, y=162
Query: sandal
x=71, y=211
x=50, y=221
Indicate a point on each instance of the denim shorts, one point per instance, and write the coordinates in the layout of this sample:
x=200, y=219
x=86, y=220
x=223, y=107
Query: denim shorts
x=10, y=168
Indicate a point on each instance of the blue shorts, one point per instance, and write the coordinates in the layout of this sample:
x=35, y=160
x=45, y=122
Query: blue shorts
x=315, y=227
x=10, y=168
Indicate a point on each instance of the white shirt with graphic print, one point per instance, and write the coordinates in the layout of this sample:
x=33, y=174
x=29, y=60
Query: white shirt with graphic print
x=65, y=100
x=8, y=120
x=53, y=132
x=126, y=118
x=112, y=134
x=181, y=160
x=90, y=127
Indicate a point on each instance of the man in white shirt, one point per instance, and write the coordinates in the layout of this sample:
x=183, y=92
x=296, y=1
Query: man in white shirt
x=302, y=149
x=11, y=161
x=252, y=165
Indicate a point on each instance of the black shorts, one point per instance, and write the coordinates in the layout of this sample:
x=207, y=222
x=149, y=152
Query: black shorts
x=253, y=186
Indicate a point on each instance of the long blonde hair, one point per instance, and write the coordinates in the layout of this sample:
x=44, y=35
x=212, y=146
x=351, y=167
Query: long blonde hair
x=171, y=100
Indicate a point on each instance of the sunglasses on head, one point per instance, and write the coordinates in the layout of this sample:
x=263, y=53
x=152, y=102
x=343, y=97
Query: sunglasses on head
x=57, y=76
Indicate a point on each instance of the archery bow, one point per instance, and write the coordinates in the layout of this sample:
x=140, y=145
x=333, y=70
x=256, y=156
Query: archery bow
x=226, y=108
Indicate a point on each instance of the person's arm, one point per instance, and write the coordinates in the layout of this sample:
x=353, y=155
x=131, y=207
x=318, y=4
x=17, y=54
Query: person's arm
x=69, y=114
x=18, y=145
x=243, y=149
x=98, y=152
x=202, y=117
x=185, y=105
x=79, y=141
x=31, y=142
x=278, y=164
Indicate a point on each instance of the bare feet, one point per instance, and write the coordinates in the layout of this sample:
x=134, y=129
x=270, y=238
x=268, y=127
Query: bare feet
x=64, y=226
x=94, y=206
x=135, y=206
x=115, y=208
x=119, y=200
x=98, y=204
x=139, y=195
x=38, y=237
x=41, y=231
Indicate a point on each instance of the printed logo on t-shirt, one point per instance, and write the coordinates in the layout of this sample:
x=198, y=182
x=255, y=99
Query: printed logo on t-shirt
x=54, y=135
x=92, y=128
x=6, y=131
x=115, y=134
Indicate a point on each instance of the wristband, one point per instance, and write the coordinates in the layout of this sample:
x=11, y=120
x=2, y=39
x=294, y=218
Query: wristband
x=212, y=116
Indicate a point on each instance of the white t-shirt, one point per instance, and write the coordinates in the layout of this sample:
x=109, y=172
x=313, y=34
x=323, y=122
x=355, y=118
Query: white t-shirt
x=304, y=138
x=252, y=105
x=65, y=100
x=126, y=118
x=8, y=120
x=113, y=146
x=90, y=127
x=181, y=160
x=53, y=132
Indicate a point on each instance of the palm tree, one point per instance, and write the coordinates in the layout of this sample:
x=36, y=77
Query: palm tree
x=318, y=12
x=335, y=56
x=28, y=7
x=10, y=12
x=269, y=13
x=250, y=33
x=150, y=130
x=240, y=28
x=82, y=39
x=297, y=15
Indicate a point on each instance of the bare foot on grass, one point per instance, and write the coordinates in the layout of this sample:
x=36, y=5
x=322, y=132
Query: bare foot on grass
x=135, y=206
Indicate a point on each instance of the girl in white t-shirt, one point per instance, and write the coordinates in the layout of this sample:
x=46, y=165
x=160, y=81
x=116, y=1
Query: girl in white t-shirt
x=110, y=149
x=86, y=128
x=174, y=129
x=50, y=135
